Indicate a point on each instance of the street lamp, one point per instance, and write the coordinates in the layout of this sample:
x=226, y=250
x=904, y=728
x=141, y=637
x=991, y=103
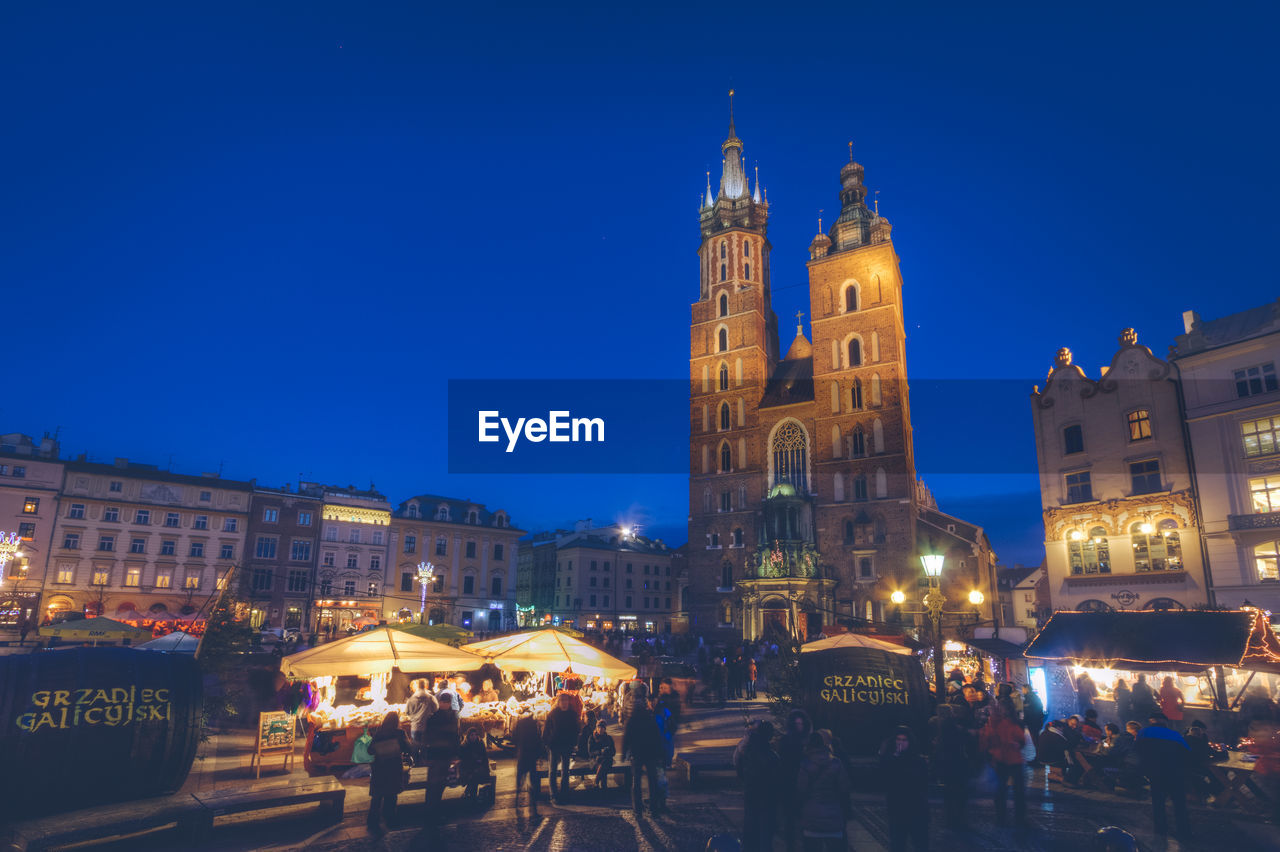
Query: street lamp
x=933, y=602
x=425, y=572
x=10, y=548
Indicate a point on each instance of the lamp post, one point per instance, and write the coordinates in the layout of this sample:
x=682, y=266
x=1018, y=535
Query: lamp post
x=425, y=572
x=933, y=602
x=11, y=548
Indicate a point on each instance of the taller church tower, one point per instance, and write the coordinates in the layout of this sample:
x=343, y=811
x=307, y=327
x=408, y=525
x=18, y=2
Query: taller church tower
x=802, y=488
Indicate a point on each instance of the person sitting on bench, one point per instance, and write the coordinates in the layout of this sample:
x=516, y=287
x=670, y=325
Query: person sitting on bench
x=1053, y=749
x=600, y=749
x=473, y=767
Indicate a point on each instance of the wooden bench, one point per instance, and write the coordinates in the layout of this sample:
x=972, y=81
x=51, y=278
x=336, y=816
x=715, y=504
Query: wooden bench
x=104, y=823
x=486, y=790
x=327, y=791
x=588, y=770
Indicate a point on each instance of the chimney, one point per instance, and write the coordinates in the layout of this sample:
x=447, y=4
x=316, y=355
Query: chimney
x=1190, y=319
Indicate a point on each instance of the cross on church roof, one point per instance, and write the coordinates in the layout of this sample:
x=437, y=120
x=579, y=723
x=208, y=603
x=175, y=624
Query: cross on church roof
x=799, y=316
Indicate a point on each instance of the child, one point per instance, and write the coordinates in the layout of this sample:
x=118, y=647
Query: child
x=473, y=767
x=600, y=748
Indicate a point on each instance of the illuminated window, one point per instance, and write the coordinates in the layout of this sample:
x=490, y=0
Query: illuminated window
x=1159, y=550
x=1139, y=424
x=1090, y=554
x=790, y=457
x=304, y=519
x=1073, y=440
x=1252, y=381
x=163, y=579
x=66, y=574
x=101, y=577
x=1261, y=437
x=373, y=589
x=133, y=577
x=31, y=506
x=1264, y=493
x=270, y=515
x=1266, y=557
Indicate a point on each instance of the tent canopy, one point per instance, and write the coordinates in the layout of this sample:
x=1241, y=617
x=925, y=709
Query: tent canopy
x=1180, y=640
x=95, y=629
x=854, y=640
x=378, y=651
x=550, y=651
x=450, y=634
x=175, y=642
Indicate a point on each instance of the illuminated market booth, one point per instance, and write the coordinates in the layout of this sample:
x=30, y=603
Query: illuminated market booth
x=1217, y=659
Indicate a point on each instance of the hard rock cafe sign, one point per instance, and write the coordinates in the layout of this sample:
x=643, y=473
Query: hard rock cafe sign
x=1125, y=598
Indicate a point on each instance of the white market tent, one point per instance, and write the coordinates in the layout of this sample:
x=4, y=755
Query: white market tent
x=550, y=651
x=376, y=652
x=854, y=640
x=176, y=642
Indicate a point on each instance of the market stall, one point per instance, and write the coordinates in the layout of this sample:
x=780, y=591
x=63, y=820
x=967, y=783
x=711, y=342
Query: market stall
x=333, y=727
x=1216, y=660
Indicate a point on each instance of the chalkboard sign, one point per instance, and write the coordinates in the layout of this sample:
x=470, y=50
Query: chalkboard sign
x=862, y=694
x=275, y=736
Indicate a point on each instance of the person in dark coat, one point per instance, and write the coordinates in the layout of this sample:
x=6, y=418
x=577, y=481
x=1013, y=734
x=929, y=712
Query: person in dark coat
x=1143, y=700
x=1032, y=711
x=790, y=755
x=441, y=741
x=642, y=745
x=822, y=788
x=561, y=735
x=529, y=750
x=601, y=751
x=667, y=707
x=758, y=767
x=1086, y=692
x=473, y=767
x=1124, y=701
x=906, y=783
x=954, y=752
x=418, y=709
x=1166, y=759
x=387, y=772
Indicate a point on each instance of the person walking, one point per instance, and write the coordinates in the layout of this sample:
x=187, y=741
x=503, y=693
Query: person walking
x=822, y=788
x=1086, y=692
x=1002, y=740
x=1032, y=711
x=906, y=789
x=1165, y=759
x=791, y=748
x=953, y=752
x=642, y=745
x=1143, y=699
x=752, y=671
x=418, y=709
x=1171, y=700
x=561, y=735
x=473, y=762
x=758, y=766
x=529, y=750
x=669, y=712
x=441, y=740
x=386, y=779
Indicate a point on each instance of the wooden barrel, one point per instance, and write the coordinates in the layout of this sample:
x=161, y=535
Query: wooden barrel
x=85, y=726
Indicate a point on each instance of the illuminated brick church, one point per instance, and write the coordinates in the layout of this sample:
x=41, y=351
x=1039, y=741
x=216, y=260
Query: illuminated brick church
x=804, y=507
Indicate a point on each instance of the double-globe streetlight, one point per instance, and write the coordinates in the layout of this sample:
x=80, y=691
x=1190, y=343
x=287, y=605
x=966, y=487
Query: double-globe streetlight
x=426, y=571
x=934, y=601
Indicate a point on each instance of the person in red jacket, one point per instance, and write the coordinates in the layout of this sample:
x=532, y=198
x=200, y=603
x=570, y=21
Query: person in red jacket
x=1002, y=740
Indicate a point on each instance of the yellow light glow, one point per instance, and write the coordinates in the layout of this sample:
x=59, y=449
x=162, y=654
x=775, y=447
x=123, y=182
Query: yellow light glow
x=897, y=597
x=976, y=597
x=1105, y=678
x=1076, y=535
x=1147, y=528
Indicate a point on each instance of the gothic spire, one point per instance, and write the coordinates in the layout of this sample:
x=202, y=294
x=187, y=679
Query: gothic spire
x=733, y=183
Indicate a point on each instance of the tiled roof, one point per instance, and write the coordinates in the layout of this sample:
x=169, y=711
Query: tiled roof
x=149, y=471
x=1210, y=334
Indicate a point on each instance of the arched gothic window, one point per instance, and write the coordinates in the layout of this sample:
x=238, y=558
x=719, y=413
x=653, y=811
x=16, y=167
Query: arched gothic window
x=724, y=250
x=1089, y=554
x=724, y=272
x=855, y=395
x=724, y=305
x=726, y=458
x=746, y=271
x=746, y=248
x=790, y=463
x=1092, y=605
x=858, y=443
x=723, y=340
x=724, y=415
x=860, y=487
x=851, y=299
x=726, y=574
x=1164, y=605
x=855, y=352
x=724, y=377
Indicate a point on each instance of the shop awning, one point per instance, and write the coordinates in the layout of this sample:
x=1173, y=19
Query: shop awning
x=378, y=651
x=1184, y=640
x=550, y=651
x=854, y=640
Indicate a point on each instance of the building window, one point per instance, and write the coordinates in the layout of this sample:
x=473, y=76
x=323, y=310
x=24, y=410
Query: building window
x=304, y=519
x=66, y=574
x=468, y=585
x=107, y=542
x=19, y=471
x=76, y=510
x=1158, y=549
x=326, y=587
x=138, y=545
x=300, y=550
x=1145, y=476
x=27, y=531
x=864, y=567
x=851, y=298
x=375, y=562
x=498, y=550
x=737, y=539
x=746, y=271
x=471, y=550
x=266, y=548
x=227, y=551
x=860, y=487
x=724, y=305
x=348, y=587
x=229, y=524
x=373, y=588
x=353, y=536
x=1264, y=493
x=855, y=352
x=725, y=416
x=172, y=519
x=406, y=581
x=328, y=559
x=377, y=536
x=163, y=579
x=1260, y=437
x=495, y=587
x=111, y=514
x=790, y=463
x=1073, y=439
x=442, y=546
x=858, y=443
x=133, y=577
x=71, y=541
x=726, y=501
x=1252, y=381
x=116, y=486
x=168, y=547
x=724, y=377
x=262, y=579
x=722, y=338
x=1079, y=487
x=101, y=577
x=31, y=506
x=353, y=561
x=270, y=515
x=142, y=517
x=330, y=533
x=197, y=548
x=726, y=458
x=855, y=395
x=437, y=584
x=206, y=496
x=1089, y=554
x=410, y=544
x=1139, y=424
x=297, y=581
x=724, y=272
x=1266, y=557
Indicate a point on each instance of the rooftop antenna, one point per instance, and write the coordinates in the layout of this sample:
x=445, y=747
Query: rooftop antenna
x=877, y=200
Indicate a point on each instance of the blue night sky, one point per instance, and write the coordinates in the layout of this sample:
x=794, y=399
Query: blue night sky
x=264, y=236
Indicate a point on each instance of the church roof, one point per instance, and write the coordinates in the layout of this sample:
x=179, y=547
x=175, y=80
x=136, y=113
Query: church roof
x=800, y=347
x=791, y=383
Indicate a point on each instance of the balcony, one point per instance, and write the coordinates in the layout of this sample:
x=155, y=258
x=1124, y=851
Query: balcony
x=1260, y=521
